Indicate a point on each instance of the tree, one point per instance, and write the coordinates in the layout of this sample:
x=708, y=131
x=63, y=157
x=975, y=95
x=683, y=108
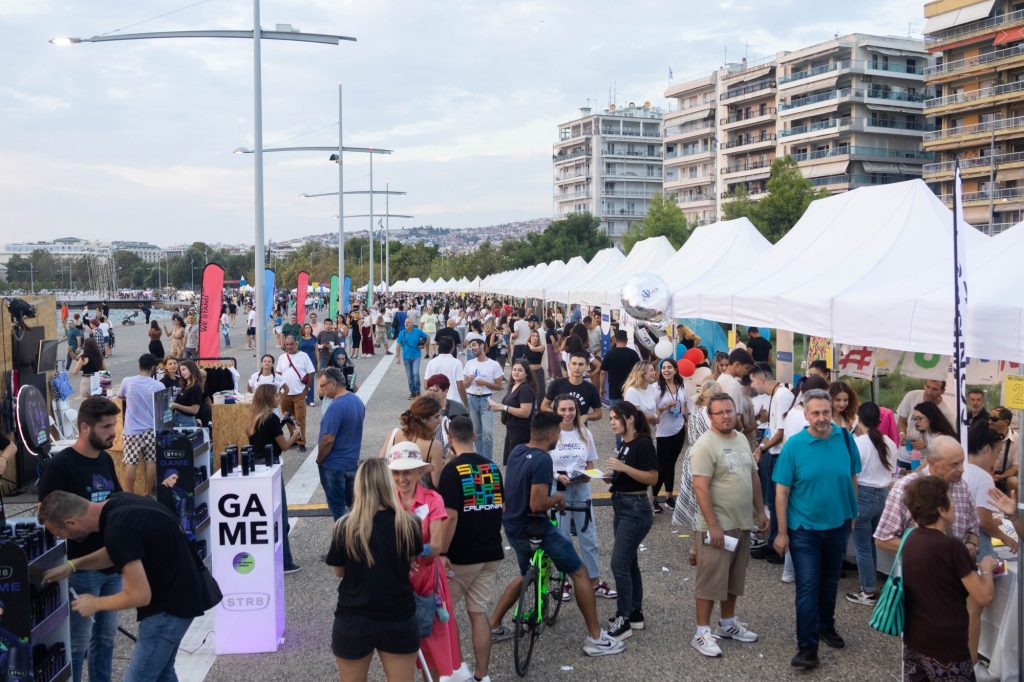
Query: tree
x=579, y=234
x=664, y=219
x=789, y=195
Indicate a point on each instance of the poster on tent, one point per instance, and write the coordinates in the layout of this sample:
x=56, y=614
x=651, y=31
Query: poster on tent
x=333, y=307
x=985, y=372
x=301, y=294
x=887, y=361
x=210, y=300
x=857, y=361
x=784, y=356
x=925, y=366
x=818, y=348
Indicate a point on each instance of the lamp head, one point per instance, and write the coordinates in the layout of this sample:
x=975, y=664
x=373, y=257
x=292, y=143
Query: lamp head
x=334, y=157
x=64, y=41
x=242, y=150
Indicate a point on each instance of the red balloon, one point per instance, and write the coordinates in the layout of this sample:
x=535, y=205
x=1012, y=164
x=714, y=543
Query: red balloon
x=694, y=355
x=686, y=367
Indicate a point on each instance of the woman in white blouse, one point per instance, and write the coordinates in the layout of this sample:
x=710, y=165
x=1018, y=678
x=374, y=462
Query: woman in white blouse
x=641, y=389
x=673, y=406
x=265, y=375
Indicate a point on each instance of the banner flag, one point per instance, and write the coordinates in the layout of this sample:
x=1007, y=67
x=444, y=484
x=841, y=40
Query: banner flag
x=960, y=306
x=209, y=311
x=301, y=294
x=334, y=300
x=268, y=303
x=925, y=366
x=887, y=361
x=857, y=361
x=346, y=295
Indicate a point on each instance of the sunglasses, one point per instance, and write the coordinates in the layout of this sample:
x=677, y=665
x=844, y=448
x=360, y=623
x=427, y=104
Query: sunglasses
x=996, y=419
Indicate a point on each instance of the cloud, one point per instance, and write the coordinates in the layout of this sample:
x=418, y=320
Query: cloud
x=34, y=103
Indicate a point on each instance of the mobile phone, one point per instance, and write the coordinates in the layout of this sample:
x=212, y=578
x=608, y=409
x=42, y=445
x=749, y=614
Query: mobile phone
x=74, y=595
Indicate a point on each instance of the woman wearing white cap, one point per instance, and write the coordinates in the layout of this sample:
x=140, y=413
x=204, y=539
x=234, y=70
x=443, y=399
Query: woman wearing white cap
x=429, y=576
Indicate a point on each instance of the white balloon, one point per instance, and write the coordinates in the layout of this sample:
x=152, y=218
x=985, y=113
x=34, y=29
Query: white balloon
x=663, y=349
x=645, y=296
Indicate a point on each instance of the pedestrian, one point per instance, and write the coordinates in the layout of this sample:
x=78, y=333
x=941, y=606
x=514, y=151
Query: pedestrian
x=588, y=398
x=225, y=326
x=450, y=366
x=139, y=435
x=191, y=338
x=845, y=403
x=535, y=358
x=418, y=425
x=266, y=374
x=86, y=469
x=326, y=342
x=482, y=376
x=298, y=373
x=144, y=541
x=1007, y=450
x=728, y=491
x=250, y=329
x=372, y=549
x=89, y=361
x=291, y=328
x=473, y=494
x=673, y=405
x=339, y=442
x=307, y=345
x=633, y=469
x=641, y=389
x=156, y=347
x=815, y=500
x=177, y=336
x=189, y=405
x=685, y=512
x=780, y=398
x=517, y=406
x=616, y=365
x=366, y=329
x=410, y=343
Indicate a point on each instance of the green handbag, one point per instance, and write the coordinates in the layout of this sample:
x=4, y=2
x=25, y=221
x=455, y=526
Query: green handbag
x=889, y=615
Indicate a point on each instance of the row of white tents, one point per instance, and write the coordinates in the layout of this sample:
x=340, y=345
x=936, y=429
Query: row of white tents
x=870, y=267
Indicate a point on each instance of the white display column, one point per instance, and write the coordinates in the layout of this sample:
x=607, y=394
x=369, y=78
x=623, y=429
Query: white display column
x=248, y=560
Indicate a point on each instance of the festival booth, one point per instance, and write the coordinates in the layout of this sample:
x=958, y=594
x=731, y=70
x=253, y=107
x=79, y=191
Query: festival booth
x=534, y=288
x=645, y=256
x=604, y=262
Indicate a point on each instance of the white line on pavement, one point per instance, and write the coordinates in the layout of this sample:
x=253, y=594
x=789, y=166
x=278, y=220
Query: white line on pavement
x=300, y=490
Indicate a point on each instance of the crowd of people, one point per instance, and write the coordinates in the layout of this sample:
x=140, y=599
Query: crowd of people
x=783, y=474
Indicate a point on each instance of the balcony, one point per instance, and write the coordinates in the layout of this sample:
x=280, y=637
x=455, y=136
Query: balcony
x=738, y=119
x=1004, y=124
x=559, y=158
x=682, y=199
x=690, y=153
x=584, y=193
x=855, y=150
x=997, y=195
x=689, y=129
x=568, y=177
x=857, y=64
x=749, y=166
x=690, y=181
x=816, y=126
x=974, y=28
x=896, y=125
x=634, y=154
x=628, y=194
x=605, y=211
x=629, y=133
x=974, y=95
x=628, y=175
x=749, y=141
x=747, y=90
x=978, y=162
x=980, y=61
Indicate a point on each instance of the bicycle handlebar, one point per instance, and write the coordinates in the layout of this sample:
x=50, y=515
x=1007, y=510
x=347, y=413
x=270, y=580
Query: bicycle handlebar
x=585, y=508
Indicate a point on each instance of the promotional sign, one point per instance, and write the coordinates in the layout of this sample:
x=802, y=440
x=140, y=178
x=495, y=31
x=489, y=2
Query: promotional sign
x=982, y=371
x=1013, y=392
x=346, y=295
x=335, y=286
x=268, y=302
x=176, y=478
x=301, y=294
x=925, y=366
x=209, y=311
x=784, y=356
x=819, y=348
x=857, y=361
x=887, y=361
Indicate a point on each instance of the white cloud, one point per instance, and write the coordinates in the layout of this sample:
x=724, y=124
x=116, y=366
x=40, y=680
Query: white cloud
x=25, y=102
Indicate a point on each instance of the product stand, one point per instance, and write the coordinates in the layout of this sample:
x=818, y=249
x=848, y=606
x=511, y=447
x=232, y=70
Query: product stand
x=35, y=629
x=248, y=560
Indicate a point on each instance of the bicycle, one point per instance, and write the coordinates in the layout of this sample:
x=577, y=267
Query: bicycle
x=532, y=613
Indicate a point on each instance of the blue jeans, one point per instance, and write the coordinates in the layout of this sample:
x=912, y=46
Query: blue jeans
x=483, y=425
x=554, y=544
x=577, y=494
x=227, y=340
x=870, y=503
x=94, y=636
x=412, y=374
x=339, y=487
x=817, y=561
x=159, y=637
x=631, y=521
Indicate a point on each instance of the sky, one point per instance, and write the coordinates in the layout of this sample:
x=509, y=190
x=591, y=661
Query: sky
x=133, y=140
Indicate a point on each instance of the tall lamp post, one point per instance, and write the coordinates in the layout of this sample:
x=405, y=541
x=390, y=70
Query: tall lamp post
x=257, y=34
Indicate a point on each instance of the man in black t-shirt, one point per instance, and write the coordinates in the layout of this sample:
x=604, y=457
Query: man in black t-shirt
x=760, y=348
x=143, y=540
x=85, y=469
x=473, y=494
x=585, y=393
x=450, y=332
x=616, y=366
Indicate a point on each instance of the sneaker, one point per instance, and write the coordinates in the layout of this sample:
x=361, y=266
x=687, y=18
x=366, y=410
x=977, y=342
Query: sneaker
x=604, y=645
x=671, y=502
x=862, y=597
x=620, y=628
x=566, y=592
x=658, y=509
x=773, y=558
x=302, y=448
x=805, y=658
x=788, y=578
x=737, y=631
x=705, y=643
x=294, y=568
x=501, y=633
x=636, y=620
x=602, y=590
x=832, y=638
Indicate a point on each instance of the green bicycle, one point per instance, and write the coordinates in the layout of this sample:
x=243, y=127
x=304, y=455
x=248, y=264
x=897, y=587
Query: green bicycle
x=533, y=612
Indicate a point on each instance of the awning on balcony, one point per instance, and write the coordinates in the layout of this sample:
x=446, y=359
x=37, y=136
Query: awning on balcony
x=907, y=169
x=760, y=174
x=1009, y=174
x=892, y=52
x=941, y=22
x=752, y=74
x=825, y=169
x=905, y=109
x=1010, y=36
x=976, y=215
x=817, y=84
x=876, y=167
x=698, y=115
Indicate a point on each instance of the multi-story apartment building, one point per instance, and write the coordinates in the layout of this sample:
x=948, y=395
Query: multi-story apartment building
x=64, y=247
x=609, y=164
x=691, y=175
x=978, y=106
x=149, y=253
x=851, y=110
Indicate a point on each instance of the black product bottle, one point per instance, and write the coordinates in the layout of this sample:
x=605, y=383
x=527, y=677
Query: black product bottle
x=19, y=663
x=268, y=455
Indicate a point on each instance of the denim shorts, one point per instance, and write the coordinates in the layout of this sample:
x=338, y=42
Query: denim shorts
x=557, y=546
x=355, y=637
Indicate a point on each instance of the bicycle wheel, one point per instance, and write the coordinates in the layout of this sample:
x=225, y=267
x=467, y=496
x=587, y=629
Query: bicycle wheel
x=553, y=601
x=527, y=621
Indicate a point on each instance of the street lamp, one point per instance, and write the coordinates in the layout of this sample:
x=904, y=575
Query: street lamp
x=283, y=32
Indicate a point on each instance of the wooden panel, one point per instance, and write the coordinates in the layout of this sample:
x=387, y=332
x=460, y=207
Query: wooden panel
x=229, y=424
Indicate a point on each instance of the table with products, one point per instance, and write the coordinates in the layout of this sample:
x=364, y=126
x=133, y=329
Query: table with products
x=998, y=641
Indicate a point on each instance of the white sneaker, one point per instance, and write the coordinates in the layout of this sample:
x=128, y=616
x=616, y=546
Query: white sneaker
x=705, y=643
x=604, y=645
x=789, y=579
x=460, y=674
x=737, y=631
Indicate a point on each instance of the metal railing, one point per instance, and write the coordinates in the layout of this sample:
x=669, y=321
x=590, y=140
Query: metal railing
x=987, y=127
x=637, y=155
x=899, y=125
x=752, y=165
x=858, y=179
x=747, y=89
x=978, y=60
x=977, y=162
x=627, y=193
x=627, y=133
x=572, y=176
x=694, y=198
x=691, y=152
x=572, y=155
x=870, y=65
x=688, y=128
x=744, y=141
x=850, y=93
x=863, y=151
x=971, y=95
x=818, y=125
x=572, y=195
x=738, y=116
x=980, y=26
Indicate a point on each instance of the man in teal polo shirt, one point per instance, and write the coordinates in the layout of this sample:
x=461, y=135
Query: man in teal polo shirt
x=410, y=349
x=815, y=500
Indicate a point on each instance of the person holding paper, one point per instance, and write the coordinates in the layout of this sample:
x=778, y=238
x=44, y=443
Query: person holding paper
x=728, y=491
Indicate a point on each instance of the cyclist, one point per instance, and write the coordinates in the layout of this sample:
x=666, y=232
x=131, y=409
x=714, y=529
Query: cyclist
x=529, y=476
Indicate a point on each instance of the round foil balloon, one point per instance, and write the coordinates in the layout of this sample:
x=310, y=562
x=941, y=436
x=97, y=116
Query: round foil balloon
x=663, y=349
x=645, y=296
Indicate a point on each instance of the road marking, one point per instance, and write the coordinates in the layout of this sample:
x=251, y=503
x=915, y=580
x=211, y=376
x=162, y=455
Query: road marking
x=300, y=489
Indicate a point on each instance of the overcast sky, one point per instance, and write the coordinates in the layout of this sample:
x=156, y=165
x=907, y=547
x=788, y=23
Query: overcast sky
x=133, y=140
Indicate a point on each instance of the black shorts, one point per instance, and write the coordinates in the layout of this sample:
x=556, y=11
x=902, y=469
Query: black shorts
x=355, y=637
x=251, y=331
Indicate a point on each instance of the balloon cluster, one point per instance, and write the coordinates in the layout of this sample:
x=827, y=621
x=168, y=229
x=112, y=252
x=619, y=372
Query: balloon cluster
x=687, y=364
x=645, y=297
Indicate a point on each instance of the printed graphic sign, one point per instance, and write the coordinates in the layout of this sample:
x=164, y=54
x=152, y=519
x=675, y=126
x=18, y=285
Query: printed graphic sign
x=209, y=311
x=857, y=361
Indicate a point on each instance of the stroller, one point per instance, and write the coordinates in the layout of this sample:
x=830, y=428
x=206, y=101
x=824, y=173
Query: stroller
x=129, y=319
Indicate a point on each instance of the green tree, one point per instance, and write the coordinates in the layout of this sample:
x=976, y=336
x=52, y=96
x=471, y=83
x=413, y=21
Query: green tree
x=789, y=195
x=664, y=219
x=579, y=234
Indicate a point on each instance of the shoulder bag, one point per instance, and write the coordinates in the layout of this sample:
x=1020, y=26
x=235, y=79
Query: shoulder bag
x=889, y=617
x=430, y=605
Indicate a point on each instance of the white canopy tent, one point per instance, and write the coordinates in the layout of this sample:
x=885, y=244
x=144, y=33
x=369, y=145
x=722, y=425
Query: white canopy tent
x=534, y=288
x=995, y=307
x=604, y=262
x=645, y=256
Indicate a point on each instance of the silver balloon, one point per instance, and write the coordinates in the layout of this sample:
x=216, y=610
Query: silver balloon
x=645, y=296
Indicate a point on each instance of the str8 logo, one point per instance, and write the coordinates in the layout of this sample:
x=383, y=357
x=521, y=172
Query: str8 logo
x=6, y=572
x=246, y=601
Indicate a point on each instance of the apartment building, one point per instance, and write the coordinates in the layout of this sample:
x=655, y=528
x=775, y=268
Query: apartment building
x=609, y=164
x=977, y=107
x=849, y=110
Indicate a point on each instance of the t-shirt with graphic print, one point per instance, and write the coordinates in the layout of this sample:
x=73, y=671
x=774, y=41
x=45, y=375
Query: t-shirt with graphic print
x=93, y=478
x=471, y=485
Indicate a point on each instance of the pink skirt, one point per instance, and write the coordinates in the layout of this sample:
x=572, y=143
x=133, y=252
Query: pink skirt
x=441, y=648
